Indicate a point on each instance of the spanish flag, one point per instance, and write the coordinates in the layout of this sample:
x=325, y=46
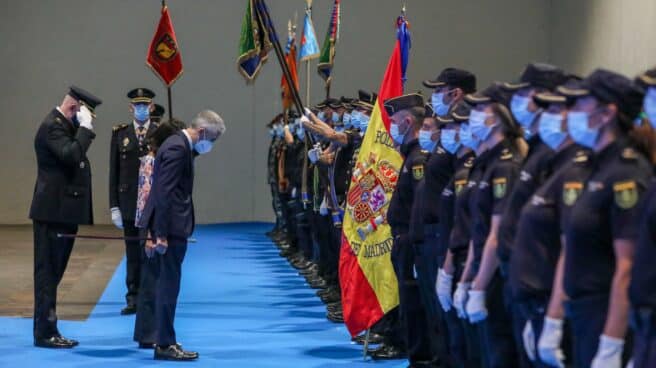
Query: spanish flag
x=367, y=278
x=290, y=59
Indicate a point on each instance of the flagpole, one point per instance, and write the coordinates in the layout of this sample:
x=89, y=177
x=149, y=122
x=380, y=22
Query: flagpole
x=168, y=88
x=307, y=62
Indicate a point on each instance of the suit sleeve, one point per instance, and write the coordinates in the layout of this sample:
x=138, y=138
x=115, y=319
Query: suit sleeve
x=168, y=174
x=69, y=150
x=113, y=171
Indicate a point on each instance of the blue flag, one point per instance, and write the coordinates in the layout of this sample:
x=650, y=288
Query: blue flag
x=309, y=44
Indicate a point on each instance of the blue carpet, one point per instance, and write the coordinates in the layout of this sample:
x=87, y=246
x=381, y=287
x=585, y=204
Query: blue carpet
x=241, y=305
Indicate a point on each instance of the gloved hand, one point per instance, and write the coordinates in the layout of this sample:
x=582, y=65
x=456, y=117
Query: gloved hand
x=314, y=155
x=117, y=219
x=84, y=117
x=475, y=307
x=549, y=343
x=150, y=248
x=528, y=336
x=460, y=298
x=294, y=192
x=323, y=209
x=443, y=287
x=609, y=353
x=629, y=364
x=415, y=275
x=305, y=121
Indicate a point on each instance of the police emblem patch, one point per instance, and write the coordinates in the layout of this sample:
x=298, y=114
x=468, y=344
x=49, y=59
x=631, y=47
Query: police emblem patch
x=418, y=172
x=166, y=48
x=126, y=141
x=626, y=194
x=499, y=185
x=459, y=184
x=571, y=192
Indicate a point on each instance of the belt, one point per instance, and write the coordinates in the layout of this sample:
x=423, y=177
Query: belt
x=432, y=229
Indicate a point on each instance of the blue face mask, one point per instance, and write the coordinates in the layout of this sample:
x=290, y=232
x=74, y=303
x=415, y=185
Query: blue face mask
x=466, y=137
x=577, y=125
x=346, y=118
x=335, y=117
x=300, y=132
x=425, y=140
x=203, y=145
x=477, y=125
x=448, y=140
x=397, y=136
x=550, y=130
x=321, y=116
x=439, y=107
x=649, y=105
x=280, y=130
x=519, y=107
x=141, y=113
x=364, y=122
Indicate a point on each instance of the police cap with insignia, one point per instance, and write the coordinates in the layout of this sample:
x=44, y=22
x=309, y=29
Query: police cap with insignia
x=454, y=77
x=493, y=93
x=538, y=75
x=544, y=99
x=329, y=102
x=158, y=112
x=461, y=112
x=609, y=88
x=85, y=97
x=396, y=104
x=366, y=100
x=347, y=102
x=429, y=113
x=141, y=95
x=647, y=79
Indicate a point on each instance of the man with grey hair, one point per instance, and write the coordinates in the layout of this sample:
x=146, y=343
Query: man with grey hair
x=169, y=215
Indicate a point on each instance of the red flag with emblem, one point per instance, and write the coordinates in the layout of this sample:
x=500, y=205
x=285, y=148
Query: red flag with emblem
x=163, y=54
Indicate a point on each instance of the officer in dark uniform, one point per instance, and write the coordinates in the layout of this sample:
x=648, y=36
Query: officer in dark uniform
x=449, y=88
x=277, y=233
x=128, y=145
x=406, y=115
x=642, y=291
x=157, y=114
x=537, y=246
x=492, y=123
x=61, y=202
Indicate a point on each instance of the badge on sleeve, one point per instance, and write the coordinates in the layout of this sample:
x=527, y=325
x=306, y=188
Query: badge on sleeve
x=459, y=184
x=499, y=187
x=626, y=194
x=418, y=172
x=126, y=141
x=571, y=192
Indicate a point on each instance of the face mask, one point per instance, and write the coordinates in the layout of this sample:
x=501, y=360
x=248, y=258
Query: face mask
x=364, y=122
x=141, y=112
x=439, y=107
x=335, y=117
x=346, y=118
x=477, y=125
x=272, y=132
x=203, y=145
x=425, y=140
x=280, y=130
x=649, y=105
x=300, y=132
x=550, y=130
x=448, y=139
x=396, y=135
x=466, y=137
x=577, y=125
x=519, y=108
x=321, y=116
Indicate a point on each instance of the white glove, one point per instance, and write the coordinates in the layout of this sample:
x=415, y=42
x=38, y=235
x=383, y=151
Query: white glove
x=443, y=287
x=294, y=192
x=609, y=353
x=308, y=112
x=117, y=219
x=314, y=155
x=415, y=275
x=305, y=120
x=475, y=307
x=629, y=364
x=84, y=117
x=528, y=336
x=460, y=298
x=549, y=343
x=323, y=209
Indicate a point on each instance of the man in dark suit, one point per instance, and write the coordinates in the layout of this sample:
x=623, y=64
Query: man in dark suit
x=61, y=202
x=169, y=214
x=128, y=145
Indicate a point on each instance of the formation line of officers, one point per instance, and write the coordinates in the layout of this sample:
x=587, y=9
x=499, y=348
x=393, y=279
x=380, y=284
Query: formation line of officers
x=524, y=217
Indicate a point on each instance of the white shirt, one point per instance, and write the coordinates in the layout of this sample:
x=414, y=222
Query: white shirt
x=136, y=126
x=191, y=143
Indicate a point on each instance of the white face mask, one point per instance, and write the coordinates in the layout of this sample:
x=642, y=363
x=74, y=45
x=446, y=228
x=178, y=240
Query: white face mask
x=203, y=145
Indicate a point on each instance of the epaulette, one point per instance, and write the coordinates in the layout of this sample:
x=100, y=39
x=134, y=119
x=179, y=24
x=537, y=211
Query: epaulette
x=119, y=127
x=629, y=154
x=470, y=162
x=506, y=154
x=581, y=156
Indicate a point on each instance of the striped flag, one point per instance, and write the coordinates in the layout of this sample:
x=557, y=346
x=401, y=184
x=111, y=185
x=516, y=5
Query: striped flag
x=367, y=278
x=290, y=59
x=309, y=45
x=327, y=57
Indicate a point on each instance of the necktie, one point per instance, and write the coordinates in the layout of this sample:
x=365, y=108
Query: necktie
x=141, y=134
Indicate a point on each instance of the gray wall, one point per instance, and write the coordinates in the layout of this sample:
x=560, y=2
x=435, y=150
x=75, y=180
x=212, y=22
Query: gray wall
x=101, y=46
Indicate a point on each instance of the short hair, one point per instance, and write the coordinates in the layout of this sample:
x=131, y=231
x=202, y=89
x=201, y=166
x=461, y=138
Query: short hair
x=417, y=113
x=209, y=120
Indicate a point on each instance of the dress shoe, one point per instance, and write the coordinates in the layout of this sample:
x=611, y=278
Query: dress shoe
x=174, y=352
x=387, y=352
x=129, y=309
x=374, y=338
x=319, y=284
x=333, y=307
x=302, y=264
x=323, y=292
x=312, y=270
x=331, y=297
x=337, y=317
x=313, y=279
x=55, y=342
x=286, y=252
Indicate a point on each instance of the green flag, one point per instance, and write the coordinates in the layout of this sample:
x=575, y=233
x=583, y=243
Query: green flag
x=254, y=44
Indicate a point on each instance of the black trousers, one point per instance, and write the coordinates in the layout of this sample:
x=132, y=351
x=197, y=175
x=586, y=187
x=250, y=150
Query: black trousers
x=304, y=232
x=133, y=250
x=323, y=233
x=167, y=290
x=335, y=245
x=463, y=344
x=145, y=326
x=411, y=310
x=643, y=324
x=51, y=256
x=276, y=205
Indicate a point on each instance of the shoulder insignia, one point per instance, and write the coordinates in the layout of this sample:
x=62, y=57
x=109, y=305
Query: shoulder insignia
x=499, y=187
x=418, y=171
x=470, y=162
x=119, y=127
x=571, y=192
x=629, y=153
x=58, y=120
x=581, y=156
x=506, y=154
x=626, y=194
x=459, y=184
x=440, y=150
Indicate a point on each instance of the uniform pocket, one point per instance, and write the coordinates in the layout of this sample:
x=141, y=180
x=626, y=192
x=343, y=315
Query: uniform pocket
x=75, y=191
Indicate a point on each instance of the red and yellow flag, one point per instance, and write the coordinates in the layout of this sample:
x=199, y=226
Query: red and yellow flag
x=290, y=59
x=367, y=278
x=163, y=54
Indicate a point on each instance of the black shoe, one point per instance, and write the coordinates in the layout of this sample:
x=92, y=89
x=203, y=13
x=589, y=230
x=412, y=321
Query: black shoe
x=302, y=264
x=312, y=270
x=56, y=342
x=374, y=338
x=319, y=284
x=337, y=317
x=387, y=352
x=129, y=309
x=174, y=352
x=146, y=345
x=333, y=307
x=286, y=252
x=324, y=292
x=331, y=297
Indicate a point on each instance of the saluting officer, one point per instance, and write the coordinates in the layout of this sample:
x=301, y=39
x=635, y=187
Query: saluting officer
x=61, y=202
x=128, y=145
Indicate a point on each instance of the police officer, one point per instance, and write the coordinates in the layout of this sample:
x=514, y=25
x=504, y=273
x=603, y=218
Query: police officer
x=157, y=114
x=406, y=114
x=61, y=202
x=449, y=88
x=643, y=278
x=128, y=145
x=603, y=225
x=277, y=233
